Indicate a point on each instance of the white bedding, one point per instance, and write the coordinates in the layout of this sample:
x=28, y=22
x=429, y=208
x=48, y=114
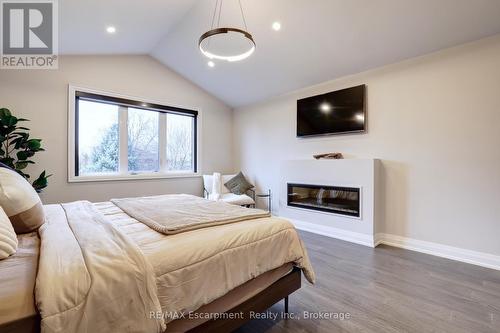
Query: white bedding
x=91, y=277
x=101, y=270
x=175, y=213
x=196, y=267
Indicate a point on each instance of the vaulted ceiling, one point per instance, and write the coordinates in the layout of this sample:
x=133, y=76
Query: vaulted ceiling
x=320, y=40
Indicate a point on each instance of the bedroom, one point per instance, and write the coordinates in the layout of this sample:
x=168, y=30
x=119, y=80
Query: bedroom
x=133, y=114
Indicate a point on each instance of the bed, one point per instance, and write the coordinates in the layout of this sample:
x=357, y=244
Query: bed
x=17, y=275
x=198, y=275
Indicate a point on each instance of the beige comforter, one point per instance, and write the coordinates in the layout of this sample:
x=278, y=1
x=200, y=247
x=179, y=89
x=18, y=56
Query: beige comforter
x=174, y=213
x=99, y=266
x=92, y=277
x=194, y=268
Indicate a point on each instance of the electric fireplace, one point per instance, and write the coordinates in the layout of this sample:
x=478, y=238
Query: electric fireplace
x=331, y=199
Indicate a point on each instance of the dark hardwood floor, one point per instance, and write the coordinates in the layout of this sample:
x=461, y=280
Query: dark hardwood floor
x=388, y=290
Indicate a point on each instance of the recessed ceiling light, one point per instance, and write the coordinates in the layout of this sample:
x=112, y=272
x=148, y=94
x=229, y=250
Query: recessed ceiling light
x=111, y=29
x=276, y=26
x=211, y=64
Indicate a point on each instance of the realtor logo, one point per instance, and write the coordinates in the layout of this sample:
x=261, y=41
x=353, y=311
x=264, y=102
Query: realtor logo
x=29, y=34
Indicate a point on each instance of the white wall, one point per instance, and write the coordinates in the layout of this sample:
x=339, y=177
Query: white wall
x=434, y=122
x=42, y=95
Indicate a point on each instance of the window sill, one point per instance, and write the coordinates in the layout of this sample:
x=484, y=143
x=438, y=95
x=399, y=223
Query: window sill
x=139, y=176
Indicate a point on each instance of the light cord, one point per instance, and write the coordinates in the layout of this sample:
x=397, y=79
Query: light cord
x=220, y=11
x=215, y=11
x=243, y=16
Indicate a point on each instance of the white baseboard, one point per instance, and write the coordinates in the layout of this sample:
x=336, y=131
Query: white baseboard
x=435, y=249
x=350, y=236
x=445, y=251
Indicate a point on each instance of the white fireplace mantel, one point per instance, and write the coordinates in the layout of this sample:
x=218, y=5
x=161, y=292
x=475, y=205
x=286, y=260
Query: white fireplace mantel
x=360, y=173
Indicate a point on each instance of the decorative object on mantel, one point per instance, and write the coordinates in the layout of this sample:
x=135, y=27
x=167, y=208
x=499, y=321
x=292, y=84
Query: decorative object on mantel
x=329, y=156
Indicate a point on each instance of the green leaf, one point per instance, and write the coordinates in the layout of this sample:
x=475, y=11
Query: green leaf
x=41, y=182
x=17, y=143
x=34, y=144
x=22, y=155
x=11, y=121
x=5, y=113
x=21, y=165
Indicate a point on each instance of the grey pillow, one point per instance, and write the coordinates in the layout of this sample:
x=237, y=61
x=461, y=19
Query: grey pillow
x=238, y=184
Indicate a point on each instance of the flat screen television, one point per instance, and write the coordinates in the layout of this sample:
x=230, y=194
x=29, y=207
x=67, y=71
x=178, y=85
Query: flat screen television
x=341, y=111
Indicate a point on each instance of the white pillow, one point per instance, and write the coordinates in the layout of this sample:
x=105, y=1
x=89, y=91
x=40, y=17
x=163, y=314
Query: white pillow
x=20, y=202
x=8, y=237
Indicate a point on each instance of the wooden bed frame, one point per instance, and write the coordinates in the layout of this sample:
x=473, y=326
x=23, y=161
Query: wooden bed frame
x=279, y=290
x=259, y=303
x=25, y=325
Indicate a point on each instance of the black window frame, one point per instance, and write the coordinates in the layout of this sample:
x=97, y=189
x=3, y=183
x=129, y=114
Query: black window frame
x=124, y=102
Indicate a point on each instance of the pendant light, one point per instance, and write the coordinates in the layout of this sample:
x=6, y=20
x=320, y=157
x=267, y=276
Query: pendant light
x=226, y=43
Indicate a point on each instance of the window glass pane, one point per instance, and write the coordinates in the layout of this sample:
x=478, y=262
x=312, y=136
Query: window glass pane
x=143, y=140
x=98, y=138
x=179, y=142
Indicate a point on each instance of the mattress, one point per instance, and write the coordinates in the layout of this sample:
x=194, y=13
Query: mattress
x=197, y=267
x=17, y=280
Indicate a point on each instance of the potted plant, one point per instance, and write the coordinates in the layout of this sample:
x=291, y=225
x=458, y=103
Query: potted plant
x=17, y=148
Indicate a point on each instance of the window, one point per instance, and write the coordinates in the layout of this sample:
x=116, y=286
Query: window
x=143, y=149
x=98, y=140
x=119, y=138
x=179, y=142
